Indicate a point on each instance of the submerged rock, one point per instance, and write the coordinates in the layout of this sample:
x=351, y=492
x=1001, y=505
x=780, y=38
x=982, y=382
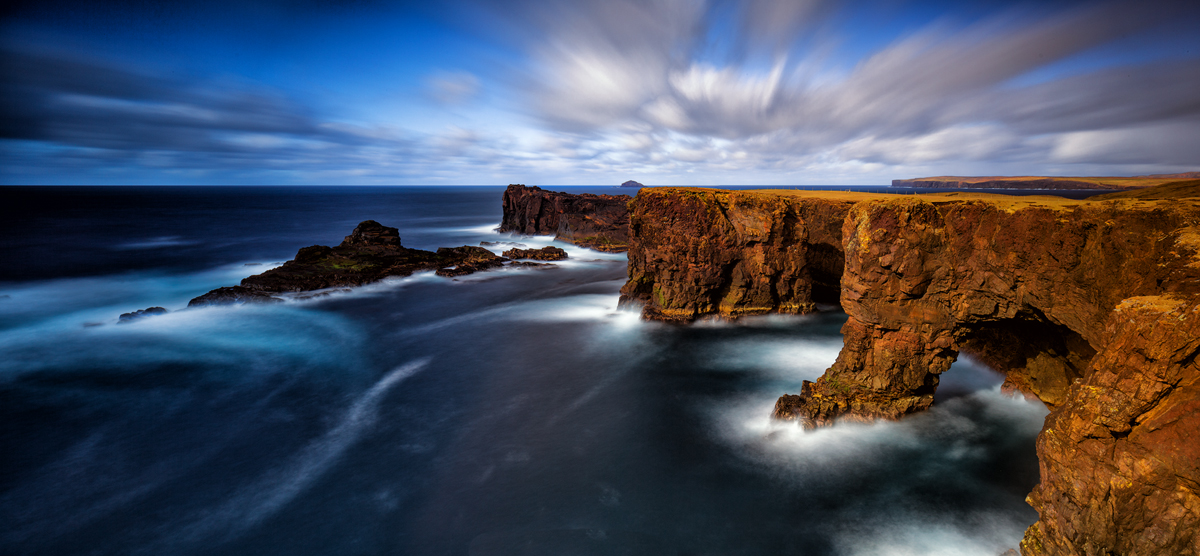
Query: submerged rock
x=548, y=253
x=468, y=259
x=233, y=295
x=126, y=318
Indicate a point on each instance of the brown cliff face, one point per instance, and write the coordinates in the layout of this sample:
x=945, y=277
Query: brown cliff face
x=598, y=222
x=1029, y=290
x=698, y=252
x=1120, y=460
x=1090, y=306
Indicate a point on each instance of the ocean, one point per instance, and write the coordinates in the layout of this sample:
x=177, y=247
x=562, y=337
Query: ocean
x=516, y=411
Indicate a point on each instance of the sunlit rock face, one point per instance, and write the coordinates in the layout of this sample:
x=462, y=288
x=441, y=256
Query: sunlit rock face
x=1090, y=306
x=1120, y=461
x=701, y=252
x=598, y=222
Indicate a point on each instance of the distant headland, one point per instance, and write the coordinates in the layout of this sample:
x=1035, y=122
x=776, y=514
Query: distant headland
x=1044, y=182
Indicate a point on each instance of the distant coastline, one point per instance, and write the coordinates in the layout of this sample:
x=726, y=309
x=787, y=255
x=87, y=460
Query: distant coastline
x=1044, y=182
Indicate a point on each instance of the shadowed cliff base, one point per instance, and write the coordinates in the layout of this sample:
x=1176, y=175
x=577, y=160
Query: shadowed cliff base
x=1091, y=306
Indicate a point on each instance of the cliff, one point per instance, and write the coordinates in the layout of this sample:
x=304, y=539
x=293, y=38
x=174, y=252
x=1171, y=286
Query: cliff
x=1091, y=306
x=698, y=252
x=1043, y=182
x=370, y=253
x=594, y=221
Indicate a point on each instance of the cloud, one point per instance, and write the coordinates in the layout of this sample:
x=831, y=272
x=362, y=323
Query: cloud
x=676, y=91
x=66, y=110
x=69, y=98
x=452, y=87
x=938, y=94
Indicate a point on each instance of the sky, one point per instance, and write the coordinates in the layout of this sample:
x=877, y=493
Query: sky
x=556, y=92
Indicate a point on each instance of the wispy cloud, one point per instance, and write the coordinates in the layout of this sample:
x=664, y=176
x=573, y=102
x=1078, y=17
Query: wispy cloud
x=673, y=91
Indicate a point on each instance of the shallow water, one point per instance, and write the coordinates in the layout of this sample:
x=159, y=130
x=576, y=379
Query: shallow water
x=510, y=412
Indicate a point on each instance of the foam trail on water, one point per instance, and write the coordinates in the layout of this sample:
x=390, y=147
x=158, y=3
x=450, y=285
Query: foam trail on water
x=989, y=536
x=266, y=496
x=75, y=301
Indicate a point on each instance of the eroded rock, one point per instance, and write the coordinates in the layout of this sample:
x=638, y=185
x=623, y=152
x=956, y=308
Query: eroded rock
x=370, y=253
x=548, y=253
x=1091, y=306
x=699, y=252
x=141, y=314
x=598, y=222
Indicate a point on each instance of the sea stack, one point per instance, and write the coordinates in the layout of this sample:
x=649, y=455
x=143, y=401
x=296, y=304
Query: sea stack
x=598, y=222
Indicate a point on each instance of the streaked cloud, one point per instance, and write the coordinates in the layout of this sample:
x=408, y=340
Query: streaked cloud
x=675, y=91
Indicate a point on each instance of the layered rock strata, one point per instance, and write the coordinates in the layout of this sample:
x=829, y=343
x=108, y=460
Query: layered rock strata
x=370, y=253
x=700, y=252
x=598, y=222
x=1091, y=306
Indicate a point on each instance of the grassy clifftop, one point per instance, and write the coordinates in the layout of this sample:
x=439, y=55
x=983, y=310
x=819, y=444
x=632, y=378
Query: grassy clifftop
x=1044, y=182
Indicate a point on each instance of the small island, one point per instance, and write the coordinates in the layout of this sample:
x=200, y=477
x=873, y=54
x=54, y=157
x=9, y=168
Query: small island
x=631, y=184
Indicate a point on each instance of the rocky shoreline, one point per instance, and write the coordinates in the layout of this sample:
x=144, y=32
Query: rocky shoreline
x=1091, y=306
x=369, y=254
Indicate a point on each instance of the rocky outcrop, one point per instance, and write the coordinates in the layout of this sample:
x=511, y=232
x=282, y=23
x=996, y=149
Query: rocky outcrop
x=1091, y=306
x=467, y=259
x=1120, y=461
x=700, y=252
x=598, y=222
x=1029, y=289
x=234, y=295
x=140, y=314
x=370, y=253
x=548, y=253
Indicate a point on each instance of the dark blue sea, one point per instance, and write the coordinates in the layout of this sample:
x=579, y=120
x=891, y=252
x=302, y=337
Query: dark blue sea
x=503, y=413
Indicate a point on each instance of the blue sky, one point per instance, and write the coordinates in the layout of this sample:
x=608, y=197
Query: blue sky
x=671, y=92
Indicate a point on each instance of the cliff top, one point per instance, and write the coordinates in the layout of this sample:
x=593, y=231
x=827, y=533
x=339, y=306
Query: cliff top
x=1170, y=193
x=1100, y=182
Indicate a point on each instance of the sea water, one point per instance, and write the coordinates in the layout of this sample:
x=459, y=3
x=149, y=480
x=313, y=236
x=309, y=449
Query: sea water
x=515, y=411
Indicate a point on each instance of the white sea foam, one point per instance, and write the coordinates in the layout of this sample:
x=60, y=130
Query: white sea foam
x=983, y=534
x=76, y=301
x=791, y=359
x=953, y=434
x=226, y=336
x=154, y=243
x=486, y=229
